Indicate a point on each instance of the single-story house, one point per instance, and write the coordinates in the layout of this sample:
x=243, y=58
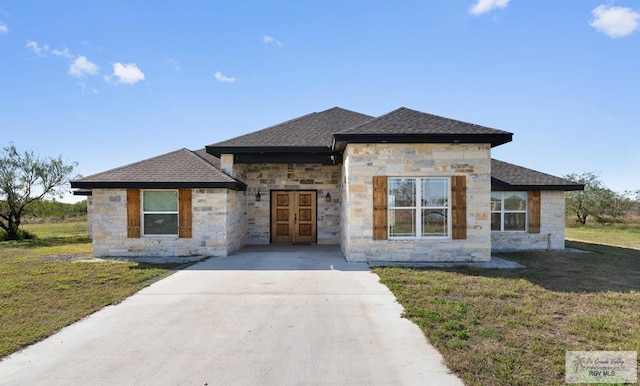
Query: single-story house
x=404, y=186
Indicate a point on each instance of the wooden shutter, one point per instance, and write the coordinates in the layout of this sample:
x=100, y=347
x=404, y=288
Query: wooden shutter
x=133, y=213
x=184, y=213
x=459, y=207
x=380, y=208
x=534, y=211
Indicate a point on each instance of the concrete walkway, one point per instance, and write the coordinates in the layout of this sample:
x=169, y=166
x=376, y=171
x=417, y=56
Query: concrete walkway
x=290, y=317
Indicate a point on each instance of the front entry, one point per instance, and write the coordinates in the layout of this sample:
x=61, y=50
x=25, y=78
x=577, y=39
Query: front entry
x=293, y=216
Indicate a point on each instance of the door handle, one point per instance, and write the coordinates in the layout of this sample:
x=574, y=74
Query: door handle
x=295, y=218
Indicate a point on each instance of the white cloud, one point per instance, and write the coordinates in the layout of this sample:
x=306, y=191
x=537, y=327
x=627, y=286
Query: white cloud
x=221, y=78
x=127, y=73
x=64, y=53
x=615, y=22
x=82, y=67
x=484, y=6
x=83, y=87
x=173, y=63
x=36, y=48
x=3, y=28
x=270, y=40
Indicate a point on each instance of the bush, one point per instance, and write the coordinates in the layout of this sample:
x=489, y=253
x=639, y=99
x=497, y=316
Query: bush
x=22, y=235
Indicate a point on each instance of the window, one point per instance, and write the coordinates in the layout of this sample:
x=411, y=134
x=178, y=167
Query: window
x=509, y=211
x=418, y=207
x=160, y=212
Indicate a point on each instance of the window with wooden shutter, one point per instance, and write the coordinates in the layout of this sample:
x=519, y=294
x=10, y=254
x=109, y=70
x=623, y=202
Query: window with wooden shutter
x=419, y=208
x=133, y=213
x=534, y=211
x=379, y=208
x=184, y=229
x=509, y=211
x=458, y=207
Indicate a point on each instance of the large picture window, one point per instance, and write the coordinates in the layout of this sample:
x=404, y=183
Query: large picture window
x=418, y=207
x=509, y=211
x=160, y=212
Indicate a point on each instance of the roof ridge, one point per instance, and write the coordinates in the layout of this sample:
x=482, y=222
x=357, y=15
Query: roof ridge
x=524, y=167
x=207, y=162
x=136, y=162
x=266, y=128
x=466, y=123
x=403, y=109
x=373, y=118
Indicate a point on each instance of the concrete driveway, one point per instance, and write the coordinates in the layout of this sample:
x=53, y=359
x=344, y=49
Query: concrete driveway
x=291, y=316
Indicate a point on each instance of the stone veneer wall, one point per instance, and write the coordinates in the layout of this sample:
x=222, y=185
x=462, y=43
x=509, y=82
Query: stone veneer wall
x=236, y=221
x=364, y=161
x=90, y=217
x=551, y=234
x=217, y=226
x=266, y=177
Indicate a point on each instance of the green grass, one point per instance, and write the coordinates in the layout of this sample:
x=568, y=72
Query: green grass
x=44, y=286
x=513, y=327
x=622, y=235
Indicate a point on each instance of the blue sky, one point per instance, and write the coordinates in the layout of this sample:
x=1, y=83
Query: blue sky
x=106, y=83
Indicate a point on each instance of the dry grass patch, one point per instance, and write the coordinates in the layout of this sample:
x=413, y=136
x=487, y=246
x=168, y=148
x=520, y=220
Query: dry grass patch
x=44, y=288
x=513, y=327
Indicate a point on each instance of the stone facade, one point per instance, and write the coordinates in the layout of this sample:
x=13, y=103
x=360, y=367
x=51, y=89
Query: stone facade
x=217, y=226
x=225, y=220
x=90, y=217
x=551, y=236
x=364, y=161
x=264, y=178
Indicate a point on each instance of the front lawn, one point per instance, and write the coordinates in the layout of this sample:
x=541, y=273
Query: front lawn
x=45, y=285
x=513, y=327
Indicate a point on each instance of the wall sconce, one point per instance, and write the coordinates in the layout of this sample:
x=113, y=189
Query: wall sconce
x=327, y=198
x=258, y=197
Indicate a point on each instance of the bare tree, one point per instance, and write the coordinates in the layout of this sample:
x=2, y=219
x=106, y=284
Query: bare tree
x=24, y=179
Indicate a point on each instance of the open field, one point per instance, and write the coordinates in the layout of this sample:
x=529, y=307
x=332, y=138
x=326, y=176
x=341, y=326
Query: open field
x=45, y=286
x=513, y=327
x=622, y=235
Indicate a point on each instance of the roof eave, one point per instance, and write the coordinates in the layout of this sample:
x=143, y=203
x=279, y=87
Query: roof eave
x=88, y=185
x=278, y=154
x=498, y=185
x=219, y=150
x=341, y=140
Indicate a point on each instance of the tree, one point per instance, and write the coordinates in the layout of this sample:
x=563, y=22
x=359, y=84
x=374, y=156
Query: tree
x=25, y=179
x=595, y=200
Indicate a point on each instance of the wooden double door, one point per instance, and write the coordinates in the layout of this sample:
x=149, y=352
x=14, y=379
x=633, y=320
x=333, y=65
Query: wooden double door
x=293, y=216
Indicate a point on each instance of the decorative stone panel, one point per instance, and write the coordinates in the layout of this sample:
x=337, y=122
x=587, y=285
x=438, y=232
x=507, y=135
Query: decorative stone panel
x=364, y=161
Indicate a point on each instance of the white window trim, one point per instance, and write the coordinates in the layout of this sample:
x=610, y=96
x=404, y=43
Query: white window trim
x=418, y=209
x=143, y=212
x=502, y=212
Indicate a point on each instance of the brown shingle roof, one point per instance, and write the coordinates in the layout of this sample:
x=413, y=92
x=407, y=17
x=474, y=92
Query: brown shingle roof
x=213, y=160
x=406, y=125
x=180, y=168
x=407, y=121
x=313, y=130
x=507, y=176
